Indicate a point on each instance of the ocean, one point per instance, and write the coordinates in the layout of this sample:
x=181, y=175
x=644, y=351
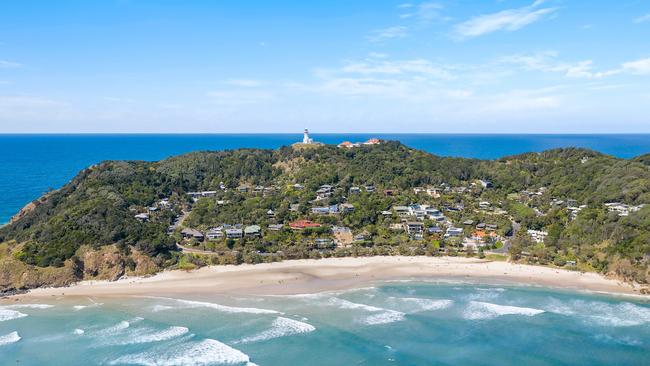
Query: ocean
x=30, y=165
x=448, y=322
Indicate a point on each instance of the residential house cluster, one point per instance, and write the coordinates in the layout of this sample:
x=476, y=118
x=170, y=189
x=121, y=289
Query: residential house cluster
x=622, y=209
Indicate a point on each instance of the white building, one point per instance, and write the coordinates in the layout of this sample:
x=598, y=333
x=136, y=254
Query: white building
x=306, y=139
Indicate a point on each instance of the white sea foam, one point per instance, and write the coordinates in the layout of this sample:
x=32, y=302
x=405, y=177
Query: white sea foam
x=626, y=341
x=383, y=315
x=389, y=316
x=157, y=308
x=79, y=307
x=218, y=307
x=281, y=327
x=29, y=306
x=78, y=331
x=148, y=335
x=114, y=329
x=601, y=313
x=417, y=304
x=8, y=314
x=10, y=338
x=485, y=310
x=202, y=353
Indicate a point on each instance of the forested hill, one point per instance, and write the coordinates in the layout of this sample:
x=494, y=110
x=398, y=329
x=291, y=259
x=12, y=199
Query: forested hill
x=91, y=221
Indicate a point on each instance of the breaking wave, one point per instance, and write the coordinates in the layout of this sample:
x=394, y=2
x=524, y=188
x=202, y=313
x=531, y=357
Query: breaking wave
x=281, y=327
x=416, y=304
x=218, y=307
x=477, y=310
x=29, y=306
x=384, y=316
x=601, y=313
x=10, y=338
x=148, y=335
x=78, y=331
x=8, y=314
x=205, y=352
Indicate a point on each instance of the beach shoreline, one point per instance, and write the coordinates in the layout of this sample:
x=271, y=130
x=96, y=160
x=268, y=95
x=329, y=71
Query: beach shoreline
x=331, y=274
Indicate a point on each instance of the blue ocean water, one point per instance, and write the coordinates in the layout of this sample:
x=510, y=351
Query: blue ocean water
x=32, y=164
x=404, y=323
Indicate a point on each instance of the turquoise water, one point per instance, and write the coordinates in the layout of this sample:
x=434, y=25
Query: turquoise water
x=32, y=164
x=400, y=323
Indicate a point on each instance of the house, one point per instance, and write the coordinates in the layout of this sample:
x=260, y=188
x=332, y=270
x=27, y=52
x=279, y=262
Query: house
x=390, y=192
x=359, y=237
x=396, y=227
x=346, y=207
x=242, y=189
x=258, y=189
x=298, y=186
x=142, y=217
x=386, y=213
x=401, y=211
x=468, y=222
x=372, y=141
x=480, y=225
x=453, y=232
x=355, y=190
x=484, y=205
x=275, y=227
x=538, y=236
x=234, y=233
x=303, y=224
x=323, y=243
x=341, y=230
x=270, y=213
x=252, y=230
x=418, y=190
x=434, y=230
x=324, y=191
x=189, y=233
x=370, y=189
x=214, y=234
x=348, y=144
x=325, y=210
x=491, y=227
x=485, y=183
x=414, y=227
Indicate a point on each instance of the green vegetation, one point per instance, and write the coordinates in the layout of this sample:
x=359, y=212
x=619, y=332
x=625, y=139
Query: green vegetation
x=98, y=207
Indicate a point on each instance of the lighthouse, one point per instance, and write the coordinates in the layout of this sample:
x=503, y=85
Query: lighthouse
x=306, y=139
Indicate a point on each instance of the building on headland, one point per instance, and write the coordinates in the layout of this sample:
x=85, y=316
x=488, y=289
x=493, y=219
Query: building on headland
x=349, y=145
x=307, y=140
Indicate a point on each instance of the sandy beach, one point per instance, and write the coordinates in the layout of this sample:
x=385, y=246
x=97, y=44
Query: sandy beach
x=308, y=276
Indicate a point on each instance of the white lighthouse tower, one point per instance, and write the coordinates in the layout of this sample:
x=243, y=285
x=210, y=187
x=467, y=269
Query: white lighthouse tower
x=306, y=139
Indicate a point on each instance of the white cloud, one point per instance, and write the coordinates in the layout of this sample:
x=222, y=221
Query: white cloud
x=507, y=20
x=388, y=33
x=416, y=67
x=643, y=19
x=424, y=12
x=548, y=62
x=641, y=67
x=4, y=64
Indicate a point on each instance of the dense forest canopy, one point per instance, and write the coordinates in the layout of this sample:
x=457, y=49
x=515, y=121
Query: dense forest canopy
x=96, y=208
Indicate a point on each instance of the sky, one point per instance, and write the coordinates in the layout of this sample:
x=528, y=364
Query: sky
x=445, y=66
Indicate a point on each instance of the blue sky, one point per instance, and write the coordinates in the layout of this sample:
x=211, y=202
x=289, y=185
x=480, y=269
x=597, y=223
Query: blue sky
x=460, y=66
